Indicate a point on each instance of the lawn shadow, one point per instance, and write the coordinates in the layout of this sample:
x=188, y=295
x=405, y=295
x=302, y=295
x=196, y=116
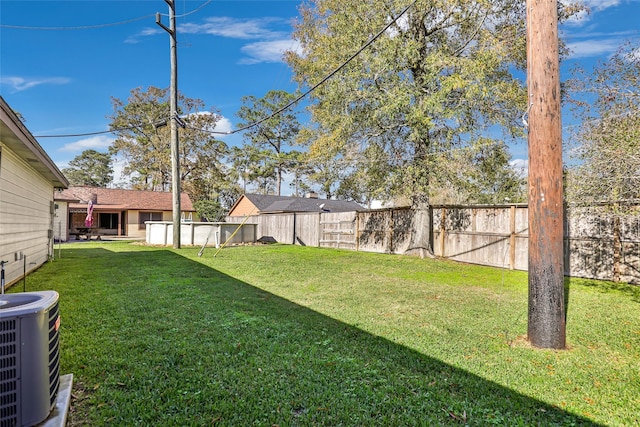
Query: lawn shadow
x=632, y=291
x=176, y=342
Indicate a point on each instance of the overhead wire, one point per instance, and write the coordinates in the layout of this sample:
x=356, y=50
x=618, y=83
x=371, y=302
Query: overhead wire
x=90, y=27
x=193, y=11
x=81, y=27
x=280, y=110
x=323, y=80
x=77, y=135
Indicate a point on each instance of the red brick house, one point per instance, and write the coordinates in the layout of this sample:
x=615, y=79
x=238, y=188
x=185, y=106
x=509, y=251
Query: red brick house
x=118, y=212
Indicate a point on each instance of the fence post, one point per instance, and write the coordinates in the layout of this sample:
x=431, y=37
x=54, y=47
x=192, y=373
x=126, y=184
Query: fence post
x=294, y=229
x=512, y=238
x=319, y=228
x=357, y=236
x=443, y=215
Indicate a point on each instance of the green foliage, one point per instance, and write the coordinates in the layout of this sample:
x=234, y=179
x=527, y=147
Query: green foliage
x=211, y=210
x=439, y=79
x=607, y=144
x=253, y=166
x=481, y=173
x=90, y=168
x=144, y=143
x=286, y=335
x=269, y=139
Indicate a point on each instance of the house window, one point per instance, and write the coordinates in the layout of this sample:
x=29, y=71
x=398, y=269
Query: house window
x=148, y=216
x=108, y=221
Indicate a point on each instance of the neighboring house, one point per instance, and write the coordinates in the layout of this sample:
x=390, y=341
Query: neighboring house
x=28, y=178
x=118, y=212
x=61, y=218
x=256, y=204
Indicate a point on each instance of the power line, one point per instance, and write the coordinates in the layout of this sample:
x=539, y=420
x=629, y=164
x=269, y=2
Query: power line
x=91, y=27
x=327, y=77
x=277, y=112
x=76, y=135
x=82, y=27
x=194, y=10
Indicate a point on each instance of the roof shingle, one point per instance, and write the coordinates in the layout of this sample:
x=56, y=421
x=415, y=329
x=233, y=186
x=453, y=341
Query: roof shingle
x=117, y=198
x=273, y=204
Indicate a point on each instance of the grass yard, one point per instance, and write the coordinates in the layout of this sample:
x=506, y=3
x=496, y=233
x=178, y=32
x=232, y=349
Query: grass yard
x=297, y=336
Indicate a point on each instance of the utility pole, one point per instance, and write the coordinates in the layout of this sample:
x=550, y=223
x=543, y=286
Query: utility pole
x=546, y=320
x=175, y=153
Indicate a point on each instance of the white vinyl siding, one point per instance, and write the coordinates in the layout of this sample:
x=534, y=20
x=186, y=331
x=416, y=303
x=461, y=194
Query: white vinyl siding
x=61, y=221
x=26, y=199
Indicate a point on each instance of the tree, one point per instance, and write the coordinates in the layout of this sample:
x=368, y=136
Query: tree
x=296, y=163
x=438, y=79
x=607, y=143
x=253, y=167
x=143, y=141
x=271, y=135
x=90, y=168
x=487, y=175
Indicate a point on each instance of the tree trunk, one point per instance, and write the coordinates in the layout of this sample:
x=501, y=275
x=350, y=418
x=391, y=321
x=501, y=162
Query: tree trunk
x=279, y=180
x=617, y=248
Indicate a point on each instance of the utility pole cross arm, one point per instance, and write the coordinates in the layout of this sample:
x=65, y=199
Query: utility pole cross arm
x=159, y=22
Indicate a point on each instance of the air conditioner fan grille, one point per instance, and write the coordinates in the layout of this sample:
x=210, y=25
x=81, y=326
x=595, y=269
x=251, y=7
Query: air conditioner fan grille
x=8, y=374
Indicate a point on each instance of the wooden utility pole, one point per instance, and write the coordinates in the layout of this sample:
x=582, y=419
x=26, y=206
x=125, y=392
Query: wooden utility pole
x=546, y=327
x=175, y=153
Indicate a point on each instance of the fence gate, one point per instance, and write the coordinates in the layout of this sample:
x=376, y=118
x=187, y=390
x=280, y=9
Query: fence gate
x=338, y=234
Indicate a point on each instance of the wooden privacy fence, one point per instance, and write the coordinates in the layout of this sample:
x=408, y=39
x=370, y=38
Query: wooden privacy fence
x=596, y=246
x=336, y=230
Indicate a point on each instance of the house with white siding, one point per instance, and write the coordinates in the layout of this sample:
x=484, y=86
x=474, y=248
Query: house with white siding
x=28, y=179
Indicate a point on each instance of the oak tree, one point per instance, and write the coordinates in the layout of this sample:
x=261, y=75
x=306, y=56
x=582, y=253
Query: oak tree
x=438, y=79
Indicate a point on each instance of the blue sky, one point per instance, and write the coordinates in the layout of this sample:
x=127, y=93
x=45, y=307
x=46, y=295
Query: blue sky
x=62, y=61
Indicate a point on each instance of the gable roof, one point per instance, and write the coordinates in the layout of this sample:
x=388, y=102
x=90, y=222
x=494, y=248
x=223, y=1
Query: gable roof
x=280, y=204
x=15, y=135
x=118, y=198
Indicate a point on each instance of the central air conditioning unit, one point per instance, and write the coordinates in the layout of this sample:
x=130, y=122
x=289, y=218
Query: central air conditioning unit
x=29, y=357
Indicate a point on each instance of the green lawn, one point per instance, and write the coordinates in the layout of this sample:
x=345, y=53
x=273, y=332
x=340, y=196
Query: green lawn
x=296, y=336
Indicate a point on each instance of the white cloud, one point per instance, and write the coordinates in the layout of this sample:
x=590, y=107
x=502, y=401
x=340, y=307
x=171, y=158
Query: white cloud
x=224, y=125
x=119, y=179
x=94, y=143
x=599, y=5
x=593, y=6
x=521, y=166
x=593, y=48
x=401, y=23
x=269, y=51
x=578, y=20
x=235, y=28
x=144, y=33
x=19, y=84
x=635, y=55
